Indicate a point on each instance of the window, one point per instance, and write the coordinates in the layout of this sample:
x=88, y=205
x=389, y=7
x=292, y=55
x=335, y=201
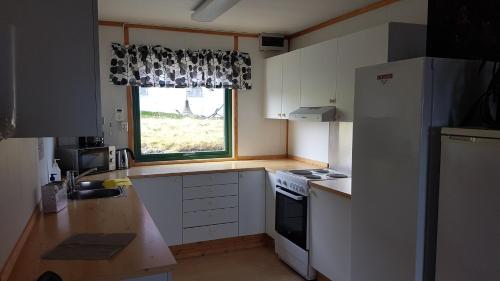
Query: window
x=180, y=123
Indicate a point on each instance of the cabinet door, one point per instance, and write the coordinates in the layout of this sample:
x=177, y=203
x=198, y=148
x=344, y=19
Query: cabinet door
x=163, y=199
x=291, y=82
x=252, y=205
x=331, y=234
x=274, y=87
x=56, y=65
x=271, y=204
x=368, y=47
x=318, y=74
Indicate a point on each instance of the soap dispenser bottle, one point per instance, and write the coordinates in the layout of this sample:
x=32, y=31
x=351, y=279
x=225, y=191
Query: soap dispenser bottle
x=55, y=171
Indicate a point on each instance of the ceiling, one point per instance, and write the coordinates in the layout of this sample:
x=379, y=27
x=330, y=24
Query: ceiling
x=253, y=16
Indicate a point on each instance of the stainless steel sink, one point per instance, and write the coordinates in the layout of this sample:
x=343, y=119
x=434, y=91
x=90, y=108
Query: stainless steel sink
x=87, y=185
x=93, y=190
x=96, y=193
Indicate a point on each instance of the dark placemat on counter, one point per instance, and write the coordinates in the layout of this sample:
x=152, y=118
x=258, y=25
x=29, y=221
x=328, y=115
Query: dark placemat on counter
x=90, y=246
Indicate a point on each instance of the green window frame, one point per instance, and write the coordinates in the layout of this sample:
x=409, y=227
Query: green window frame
x=228, y=135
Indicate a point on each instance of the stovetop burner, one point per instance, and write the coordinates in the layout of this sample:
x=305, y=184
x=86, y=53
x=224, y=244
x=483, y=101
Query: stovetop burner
x=301, y=172
x=321, y=171
x=313, y=177
x=336, y=176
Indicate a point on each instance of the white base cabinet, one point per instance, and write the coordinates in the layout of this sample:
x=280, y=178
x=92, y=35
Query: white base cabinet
x=271, y=204
x=331, y=234
x=252, y=205
x=193, y=208
x=163, y=199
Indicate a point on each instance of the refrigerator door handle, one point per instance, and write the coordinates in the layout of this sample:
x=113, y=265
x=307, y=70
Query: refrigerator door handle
x=462, y=138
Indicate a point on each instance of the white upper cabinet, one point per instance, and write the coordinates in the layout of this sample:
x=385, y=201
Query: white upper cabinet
x=318, y=74
x=381, y=44
x=365, y=48
x=274, y=87
x=291, y=83
x=52, y=48
x=323, y=74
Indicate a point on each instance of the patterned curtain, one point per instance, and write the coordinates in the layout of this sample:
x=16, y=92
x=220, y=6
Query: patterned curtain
x=157, y=66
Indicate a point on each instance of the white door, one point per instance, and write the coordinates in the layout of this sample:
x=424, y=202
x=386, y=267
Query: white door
x=271, y=204
x=274, y=87
x=318, y=74
x=368, y=47
x=468, y=243
x=163, y=200
x=252, y=203
x=291, y=82
x=331, y=234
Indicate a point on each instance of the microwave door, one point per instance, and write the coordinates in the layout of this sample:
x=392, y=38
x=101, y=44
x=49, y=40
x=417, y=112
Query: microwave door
x=93, y=158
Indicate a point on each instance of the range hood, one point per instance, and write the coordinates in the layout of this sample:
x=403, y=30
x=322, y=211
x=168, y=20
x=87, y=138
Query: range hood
x=314, y=114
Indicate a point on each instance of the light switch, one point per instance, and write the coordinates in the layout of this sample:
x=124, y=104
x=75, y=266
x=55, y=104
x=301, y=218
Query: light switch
x=119, y=115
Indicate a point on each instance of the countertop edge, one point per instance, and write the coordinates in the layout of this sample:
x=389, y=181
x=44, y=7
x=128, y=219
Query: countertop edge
x=318, y=185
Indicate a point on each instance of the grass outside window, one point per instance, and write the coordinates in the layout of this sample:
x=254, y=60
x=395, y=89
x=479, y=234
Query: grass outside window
x=181, y=124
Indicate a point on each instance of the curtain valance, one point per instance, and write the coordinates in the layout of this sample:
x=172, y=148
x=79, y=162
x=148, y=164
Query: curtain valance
x=157, y=66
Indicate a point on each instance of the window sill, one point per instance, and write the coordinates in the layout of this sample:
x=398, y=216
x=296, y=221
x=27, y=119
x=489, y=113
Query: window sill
x=170, y=162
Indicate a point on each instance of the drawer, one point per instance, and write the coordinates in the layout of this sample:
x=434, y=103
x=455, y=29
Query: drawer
x=209, y=203
x=210, y=191
x=199, y=218
x=211, y=232
x=209, y=179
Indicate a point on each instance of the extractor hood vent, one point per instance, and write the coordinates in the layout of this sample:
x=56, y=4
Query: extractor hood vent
x=314, y=114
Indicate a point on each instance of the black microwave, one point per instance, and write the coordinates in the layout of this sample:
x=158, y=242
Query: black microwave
x=82, y=159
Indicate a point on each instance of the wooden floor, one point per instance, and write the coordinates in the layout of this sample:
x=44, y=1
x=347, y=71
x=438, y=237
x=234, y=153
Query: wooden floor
x=258, y=264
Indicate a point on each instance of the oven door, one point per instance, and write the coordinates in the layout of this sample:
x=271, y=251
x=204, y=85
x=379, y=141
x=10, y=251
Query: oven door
x=96, y=157
x=291, y=216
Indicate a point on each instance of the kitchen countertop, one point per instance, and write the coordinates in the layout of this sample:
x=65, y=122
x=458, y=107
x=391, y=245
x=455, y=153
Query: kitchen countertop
x=146, y=254
x=339, y=186
x=200, y=168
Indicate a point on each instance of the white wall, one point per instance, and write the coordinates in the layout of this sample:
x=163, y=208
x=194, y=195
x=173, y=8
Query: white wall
x=257, y=136
x=23, y=169
x=308, y=140
x=340, y=145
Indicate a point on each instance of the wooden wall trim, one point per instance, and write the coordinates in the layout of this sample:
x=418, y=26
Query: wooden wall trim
x=309, y=161
x=346, y=16
x=236, y=47
x=177, y=29
x=219, y=246
x=14, y=254
x=111, y=23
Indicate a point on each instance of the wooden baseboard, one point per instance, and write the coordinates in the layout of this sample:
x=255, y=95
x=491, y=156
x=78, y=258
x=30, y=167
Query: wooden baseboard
x=16, y=251
x=219, y=246
x=309, y=161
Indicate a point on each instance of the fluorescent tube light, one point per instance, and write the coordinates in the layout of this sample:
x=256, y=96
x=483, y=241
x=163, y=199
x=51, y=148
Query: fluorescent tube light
x=209, y=10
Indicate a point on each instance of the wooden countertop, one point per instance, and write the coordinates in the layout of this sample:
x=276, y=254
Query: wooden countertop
x=339, y=186
x=200, y=168
x=146, y=254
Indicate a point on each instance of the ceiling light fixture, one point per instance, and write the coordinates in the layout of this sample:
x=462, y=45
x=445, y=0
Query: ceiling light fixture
x=209, y=10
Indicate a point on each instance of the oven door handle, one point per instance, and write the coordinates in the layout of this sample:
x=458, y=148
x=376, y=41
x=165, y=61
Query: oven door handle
x=288, y=194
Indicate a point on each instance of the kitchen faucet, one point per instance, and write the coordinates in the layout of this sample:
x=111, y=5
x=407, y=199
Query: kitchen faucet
x=72, y=181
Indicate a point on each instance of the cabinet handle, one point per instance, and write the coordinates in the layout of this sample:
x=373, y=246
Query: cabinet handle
x=332, y=100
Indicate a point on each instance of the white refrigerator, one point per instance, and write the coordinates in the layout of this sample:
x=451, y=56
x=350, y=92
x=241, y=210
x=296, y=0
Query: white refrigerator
x=468, y=239
x=398, y=110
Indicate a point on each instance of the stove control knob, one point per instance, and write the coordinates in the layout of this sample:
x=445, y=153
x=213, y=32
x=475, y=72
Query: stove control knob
x=278, y=181
x=284, y=183
x=302, y=190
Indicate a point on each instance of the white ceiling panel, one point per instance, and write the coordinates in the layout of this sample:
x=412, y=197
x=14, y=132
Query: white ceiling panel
x=254, y=16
